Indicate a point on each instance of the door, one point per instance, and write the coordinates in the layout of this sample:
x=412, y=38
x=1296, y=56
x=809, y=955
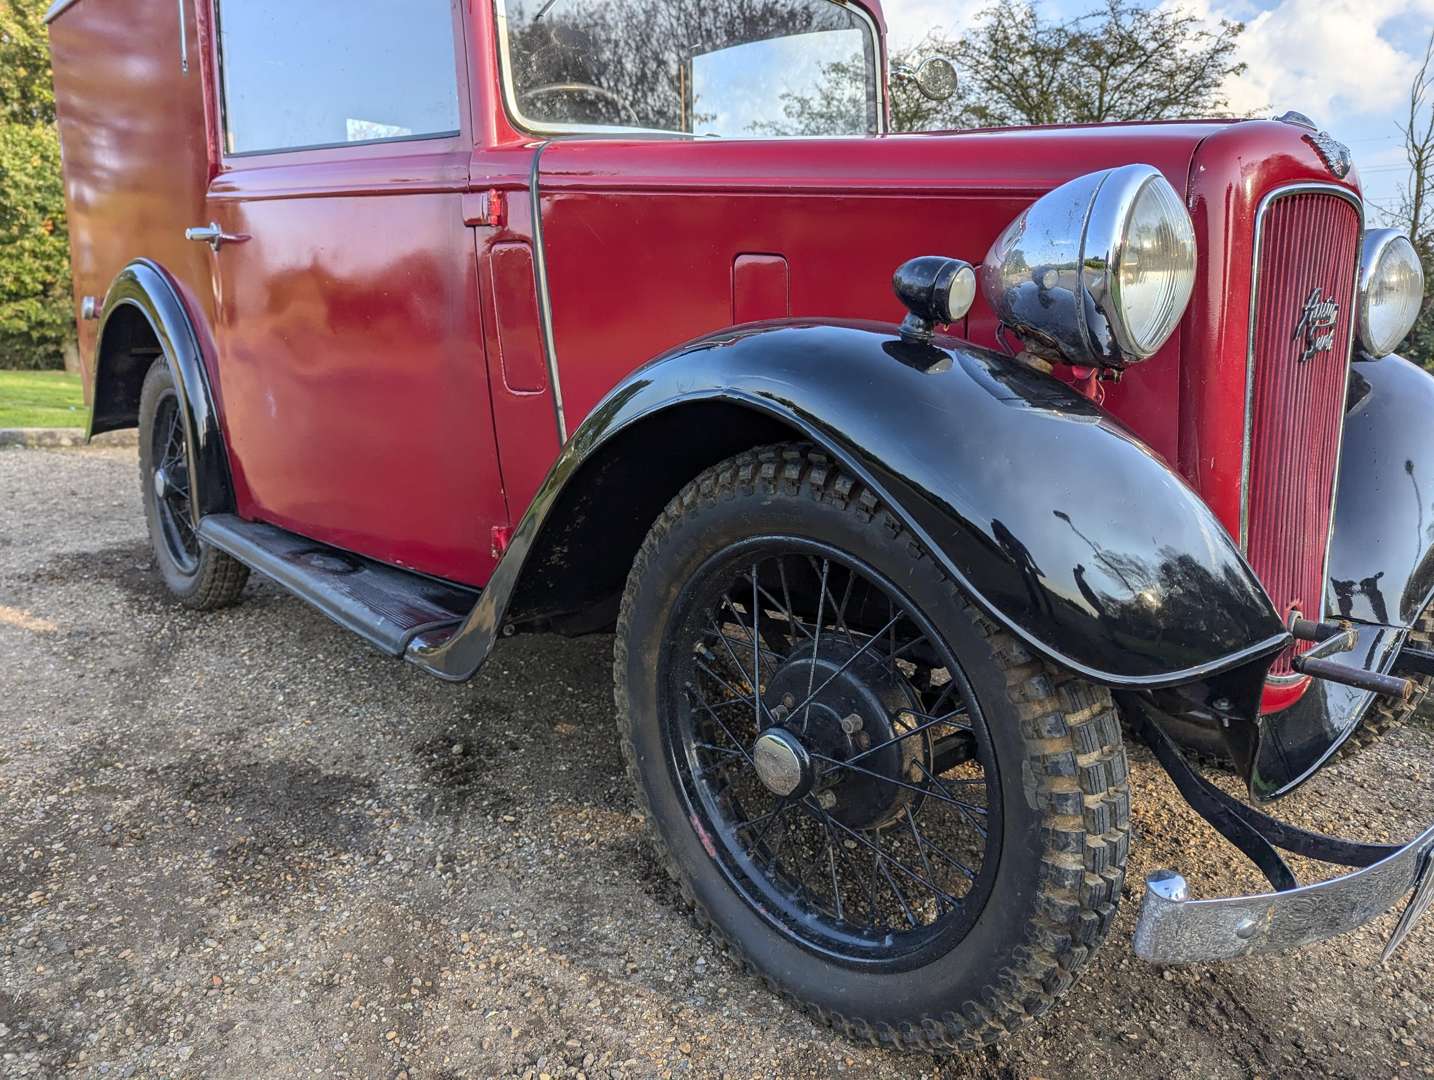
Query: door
x=351, y=362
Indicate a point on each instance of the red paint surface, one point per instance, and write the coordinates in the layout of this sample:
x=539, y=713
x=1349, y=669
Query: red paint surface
x=760, y=288
x=365, y=344
x=515, y=304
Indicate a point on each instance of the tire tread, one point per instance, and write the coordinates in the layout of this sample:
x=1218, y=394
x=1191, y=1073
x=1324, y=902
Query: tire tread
x=1076, y=757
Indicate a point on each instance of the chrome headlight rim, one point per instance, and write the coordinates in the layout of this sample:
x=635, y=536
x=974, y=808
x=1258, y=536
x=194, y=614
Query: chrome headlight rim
x=1054, y=274
x=1379, y=244
x=1112, y=210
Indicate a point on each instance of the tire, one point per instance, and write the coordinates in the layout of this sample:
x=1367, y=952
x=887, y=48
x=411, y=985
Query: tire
x=961, y=970
x=1206, y=747
x=199, y=576
x=1384, y=715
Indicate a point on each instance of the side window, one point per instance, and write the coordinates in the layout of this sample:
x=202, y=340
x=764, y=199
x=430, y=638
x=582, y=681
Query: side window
x=335, y=72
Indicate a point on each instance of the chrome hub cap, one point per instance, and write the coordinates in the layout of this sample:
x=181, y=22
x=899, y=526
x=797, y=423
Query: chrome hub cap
x=161, y=483
x=782, y=763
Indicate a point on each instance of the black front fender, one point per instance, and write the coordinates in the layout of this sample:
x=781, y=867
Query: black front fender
x=1381, y=567
x=1057, y=520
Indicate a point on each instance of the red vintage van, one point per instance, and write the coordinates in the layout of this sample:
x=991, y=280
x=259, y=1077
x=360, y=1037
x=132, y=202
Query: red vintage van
x=465, y=318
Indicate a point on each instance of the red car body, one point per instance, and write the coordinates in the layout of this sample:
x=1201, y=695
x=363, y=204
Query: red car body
x=389, y=309
x=471, y=370
x=382, y=320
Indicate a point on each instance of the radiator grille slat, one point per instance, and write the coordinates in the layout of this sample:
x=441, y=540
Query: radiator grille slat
x=1309, y=240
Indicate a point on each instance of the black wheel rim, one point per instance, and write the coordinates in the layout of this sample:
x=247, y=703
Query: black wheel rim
x=789, y=664
x=169, y=485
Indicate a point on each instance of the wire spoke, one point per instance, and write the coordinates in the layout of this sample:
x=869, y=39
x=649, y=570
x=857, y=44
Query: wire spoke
x=860, y=839
x=812, y=695
x=728, y=732
x=786, y=592
x=943, y=797
x=874, y=872
x=806, y=706
x=917, y=730
x=831, y=862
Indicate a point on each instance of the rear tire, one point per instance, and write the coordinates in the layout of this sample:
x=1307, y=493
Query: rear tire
x=198, y=575
x=943, y=971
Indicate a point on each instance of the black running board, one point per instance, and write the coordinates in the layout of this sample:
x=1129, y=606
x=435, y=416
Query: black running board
x=385, y=606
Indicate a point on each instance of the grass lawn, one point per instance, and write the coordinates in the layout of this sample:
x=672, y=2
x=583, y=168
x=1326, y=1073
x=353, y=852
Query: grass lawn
x=41, y=399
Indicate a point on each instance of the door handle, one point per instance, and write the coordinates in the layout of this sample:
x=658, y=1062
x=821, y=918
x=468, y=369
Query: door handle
x=214, y=236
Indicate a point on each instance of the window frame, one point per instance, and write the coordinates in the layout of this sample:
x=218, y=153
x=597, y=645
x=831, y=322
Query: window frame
x=528, y=125
x=435, y=142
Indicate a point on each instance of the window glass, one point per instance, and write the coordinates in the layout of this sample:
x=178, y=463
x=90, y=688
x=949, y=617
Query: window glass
x=329, y=72
x=704, y=67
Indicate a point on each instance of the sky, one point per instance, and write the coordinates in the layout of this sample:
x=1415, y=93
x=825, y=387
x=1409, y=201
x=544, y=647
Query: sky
x=1347, y=64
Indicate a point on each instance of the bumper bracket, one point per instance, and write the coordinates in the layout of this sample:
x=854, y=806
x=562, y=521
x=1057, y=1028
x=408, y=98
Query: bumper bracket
x=1174, y=929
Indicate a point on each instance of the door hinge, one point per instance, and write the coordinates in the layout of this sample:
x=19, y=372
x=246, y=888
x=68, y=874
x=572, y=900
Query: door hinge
x=485, y=208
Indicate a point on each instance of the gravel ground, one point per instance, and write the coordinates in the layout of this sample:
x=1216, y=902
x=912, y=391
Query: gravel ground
x=244, y=844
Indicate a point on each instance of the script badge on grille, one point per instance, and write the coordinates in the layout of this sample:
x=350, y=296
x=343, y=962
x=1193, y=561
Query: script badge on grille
x=1314, y=333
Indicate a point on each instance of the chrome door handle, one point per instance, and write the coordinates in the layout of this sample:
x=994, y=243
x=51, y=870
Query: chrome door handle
x=213, y=235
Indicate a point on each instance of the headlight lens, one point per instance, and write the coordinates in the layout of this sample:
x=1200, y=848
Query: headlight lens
x=1391, y=290
x=1154, y=270
x=1097, y=272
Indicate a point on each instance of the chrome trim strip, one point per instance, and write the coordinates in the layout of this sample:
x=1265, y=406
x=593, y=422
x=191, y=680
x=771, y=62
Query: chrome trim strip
x=1376, y=242
x=545, y=305
x=1173, y=929
x=510, y=101
x=183, y=41
x=58, y=8
x=1247, y=448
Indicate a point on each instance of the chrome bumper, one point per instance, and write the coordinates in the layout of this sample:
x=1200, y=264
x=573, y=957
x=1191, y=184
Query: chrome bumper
x=1174, y=929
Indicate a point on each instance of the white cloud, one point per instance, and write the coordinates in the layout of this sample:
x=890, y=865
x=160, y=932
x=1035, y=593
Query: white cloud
x=1322, y=57
x=909, y=20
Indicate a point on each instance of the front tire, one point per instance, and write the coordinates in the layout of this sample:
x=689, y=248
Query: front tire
x=198, y=575
x=779, y=623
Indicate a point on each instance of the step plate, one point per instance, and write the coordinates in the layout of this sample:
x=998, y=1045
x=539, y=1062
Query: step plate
x=382, y=604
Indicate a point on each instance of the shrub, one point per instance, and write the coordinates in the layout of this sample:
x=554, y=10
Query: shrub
x=35, y=298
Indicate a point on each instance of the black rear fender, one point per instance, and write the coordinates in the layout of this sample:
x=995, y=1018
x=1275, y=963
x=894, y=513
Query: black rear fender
x=143, y=318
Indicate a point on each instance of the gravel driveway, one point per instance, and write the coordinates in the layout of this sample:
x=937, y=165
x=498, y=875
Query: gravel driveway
x=245, y=844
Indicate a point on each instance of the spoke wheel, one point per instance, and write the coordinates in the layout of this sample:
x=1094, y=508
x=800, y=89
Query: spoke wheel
x=828, y=743
x=873, y=795
x=169, y=479
x=197, y=575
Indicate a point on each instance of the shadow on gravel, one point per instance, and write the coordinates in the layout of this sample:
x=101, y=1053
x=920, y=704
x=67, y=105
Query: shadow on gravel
x=277, y=822
x=130, y=567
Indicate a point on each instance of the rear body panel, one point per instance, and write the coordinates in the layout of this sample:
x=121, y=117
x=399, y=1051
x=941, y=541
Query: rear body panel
x=133, y=128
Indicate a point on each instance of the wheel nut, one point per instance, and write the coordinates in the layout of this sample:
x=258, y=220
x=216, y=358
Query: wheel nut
x=851, y=723
x=789, y=701
x=826, y=799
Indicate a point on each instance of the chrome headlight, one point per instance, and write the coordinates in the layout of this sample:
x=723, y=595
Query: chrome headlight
x=1097, y=272
x=1391, y=290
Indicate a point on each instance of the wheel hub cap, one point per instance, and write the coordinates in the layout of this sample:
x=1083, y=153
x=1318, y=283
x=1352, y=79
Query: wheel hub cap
x=852, y=710
x=782, y=763
x=161, y=483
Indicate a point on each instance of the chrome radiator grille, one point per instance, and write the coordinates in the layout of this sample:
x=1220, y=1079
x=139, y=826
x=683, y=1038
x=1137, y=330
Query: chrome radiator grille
x=1307, y=250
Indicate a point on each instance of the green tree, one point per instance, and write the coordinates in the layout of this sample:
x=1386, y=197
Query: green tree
x=35, y=295
x=1118, y=62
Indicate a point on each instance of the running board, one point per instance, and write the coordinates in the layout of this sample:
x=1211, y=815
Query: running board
x=384, y=605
